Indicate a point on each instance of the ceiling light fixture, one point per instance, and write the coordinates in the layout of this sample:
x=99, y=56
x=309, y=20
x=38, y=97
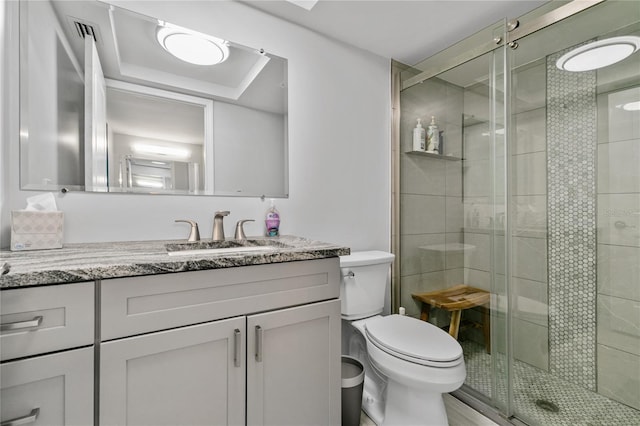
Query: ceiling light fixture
x=191, y=46
x=599, y=54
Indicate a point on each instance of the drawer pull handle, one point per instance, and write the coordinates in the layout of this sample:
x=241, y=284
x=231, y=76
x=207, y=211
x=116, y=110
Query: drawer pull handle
x=24, y=420
x=20, y=325
x=236, y=347
x=259, y=333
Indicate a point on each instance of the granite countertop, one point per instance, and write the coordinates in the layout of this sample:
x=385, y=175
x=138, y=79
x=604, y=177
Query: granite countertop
x=97, y=261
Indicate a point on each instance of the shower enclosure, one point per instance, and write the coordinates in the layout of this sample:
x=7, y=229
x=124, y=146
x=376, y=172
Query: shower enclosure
x=534, y=197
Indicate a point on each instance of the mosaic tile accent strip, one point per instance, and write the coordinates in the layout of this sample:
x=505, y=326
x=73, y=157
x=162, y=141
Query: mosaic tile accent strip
x=576, y=405
x=571, y=180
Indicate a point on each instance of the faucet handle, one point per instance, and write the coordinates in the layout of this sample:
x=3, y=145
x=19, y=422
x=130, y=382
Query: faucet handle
x=239, y=235
x=221, y=213
x=194, y=235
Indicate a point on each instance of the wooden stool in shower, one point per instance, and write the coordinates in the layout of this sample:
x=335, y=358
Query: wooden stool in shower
x=455, y=300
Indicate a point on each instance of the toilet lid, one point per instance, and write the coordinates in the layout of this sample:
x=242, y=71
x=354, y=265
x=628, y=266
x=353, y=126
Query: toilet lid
x=414, y=340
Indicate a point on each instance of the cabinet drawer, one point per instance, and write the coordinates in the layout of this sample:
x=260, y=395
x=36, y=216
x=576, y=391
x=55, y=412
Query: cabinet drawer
x=141, y=304
x=44, y=319
x=50, y=390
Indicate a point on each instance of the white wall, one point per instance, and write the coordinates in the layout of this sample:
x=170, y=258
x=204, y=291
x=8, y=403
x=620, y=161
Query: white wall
x=4, y=128
x=339, y=143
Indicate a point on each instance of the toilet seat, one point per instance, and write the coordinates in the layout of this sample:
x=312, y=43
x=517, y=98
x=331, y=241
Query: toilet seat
x=415, y=341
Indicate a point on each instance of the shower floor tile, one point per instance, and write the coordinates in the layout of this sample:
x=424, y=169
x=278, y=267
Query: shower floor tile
x=575, y=404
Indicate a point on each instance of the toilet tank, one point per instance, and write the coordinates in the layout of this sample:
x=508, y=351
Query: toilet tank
x=363, y=282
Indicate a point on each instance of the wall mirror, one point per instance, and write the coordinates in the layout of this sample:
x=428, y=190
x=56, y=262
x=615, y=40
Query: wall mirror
x=106, y=106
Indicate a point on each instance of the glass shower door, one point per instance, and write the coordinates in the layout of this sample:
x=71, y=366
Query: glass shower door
x=453, y=201
x=575, y=239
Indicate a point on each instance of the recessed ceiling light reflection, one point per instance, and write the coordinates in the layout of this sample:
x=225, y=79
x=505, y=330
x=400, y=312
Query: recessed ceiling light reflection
x=630, y=106
x=161, y=150
x=147, y=183
x=599, y=54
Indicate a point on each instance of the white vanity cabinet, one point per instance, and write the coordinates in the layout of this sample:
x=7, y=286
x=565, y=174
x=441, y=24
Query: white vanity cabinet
x=188, y=376
x=249, y=345
x=293, y=366
x=47, y=370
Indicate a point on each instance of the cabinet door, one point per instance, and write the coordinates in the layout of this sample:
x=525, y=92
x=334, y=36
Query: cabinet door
x=49, y=389
x=185, y=376
x=293, y=366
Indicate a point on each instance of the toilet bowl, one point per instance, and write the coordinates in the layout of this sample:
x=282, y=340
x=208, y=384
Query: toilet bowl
x=408, y=363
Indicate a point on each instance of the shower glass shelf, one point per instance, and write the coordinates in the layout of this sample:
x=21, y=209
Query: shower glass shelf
x=433, y=155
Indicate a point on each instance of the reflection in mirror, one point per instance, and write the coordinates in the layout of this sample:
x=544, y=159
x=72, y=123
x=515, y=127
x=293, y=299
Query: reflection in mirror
x=51, y=106
x=162, y=133
x=170, y=126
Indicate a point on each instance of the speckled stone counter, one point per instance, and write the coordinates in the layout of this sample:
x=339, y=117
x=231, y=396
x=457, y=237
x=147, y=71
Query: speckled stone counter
x=97, y=261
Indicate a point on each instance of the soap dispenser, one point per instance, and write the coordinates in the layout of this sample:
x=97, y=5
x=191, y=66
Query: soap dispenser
x=433, y=137
x=272, y=220
x=419, y=137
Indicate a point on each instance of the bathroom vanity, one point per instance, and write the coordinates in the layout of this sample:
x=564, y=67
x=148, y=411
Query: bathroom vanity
x=140, y=337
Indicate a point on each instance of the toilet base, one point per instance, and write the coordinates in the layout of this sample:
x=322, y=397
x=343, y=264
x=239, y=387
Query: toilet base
x=406, y=406
x=373, y=408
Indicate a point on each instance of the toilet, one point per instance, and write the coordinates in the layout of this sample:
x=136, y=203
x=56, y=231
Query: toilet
x=408, y=363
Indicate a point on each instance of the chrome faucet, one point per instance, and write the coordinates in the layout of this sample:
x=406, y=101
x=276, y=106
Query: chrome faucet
x=240, y=236
x=218, y=229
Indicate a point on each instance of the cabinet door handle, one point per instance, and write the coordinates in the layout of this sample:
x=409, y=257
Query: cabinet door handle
x=259, y=333
x=20, y=325
x=24, y=420
x=236, y=347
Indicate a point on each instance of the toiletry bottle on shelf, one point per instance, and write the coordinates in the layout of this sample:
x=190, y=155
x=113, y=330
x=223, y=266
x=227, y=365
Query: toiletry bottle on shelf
x=272, y=220
x=419, y=137
x=433, y=137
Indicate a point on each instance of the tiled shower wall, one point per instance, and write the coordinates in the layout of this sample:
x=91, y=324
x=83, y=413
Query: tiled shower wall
x=430, y=194
x=618, y=268
x=594, y=279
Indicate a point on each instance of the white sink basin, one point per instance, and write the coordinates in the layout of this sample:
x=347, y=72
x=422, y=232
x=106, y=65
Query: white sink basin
x=225, y=250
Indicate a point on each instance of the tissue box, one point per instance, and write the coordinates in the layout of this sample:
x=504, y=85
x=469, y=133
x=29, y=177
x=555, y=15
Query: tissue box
x=35, y=230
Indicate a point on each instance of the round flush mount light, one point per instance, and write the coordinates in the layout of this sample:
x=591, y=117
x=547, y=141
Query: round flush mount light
x=630, y=106
x=599, y=54
x=192, y=47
